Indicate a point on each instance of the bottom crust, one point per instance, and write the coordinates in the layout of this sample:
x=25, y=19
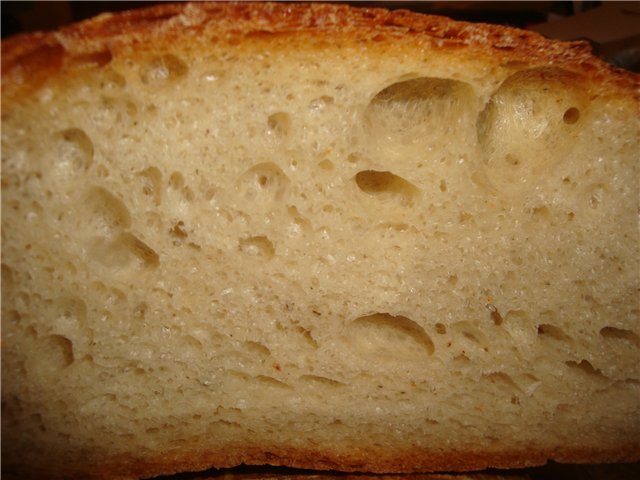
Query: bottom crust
x=129, y=467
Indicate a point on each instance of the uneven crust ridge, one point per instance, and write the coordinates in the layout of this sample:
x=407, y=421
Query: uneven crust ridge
x=94, y=41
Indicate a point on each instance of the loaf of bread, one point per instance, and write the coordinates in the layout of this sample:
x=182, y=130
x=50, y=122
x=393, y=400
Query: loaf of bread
x=315, y=236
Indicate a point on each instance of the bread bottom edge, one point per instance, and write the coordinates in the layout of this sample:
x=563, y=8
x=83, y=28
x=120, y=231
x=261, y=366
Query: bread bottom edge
x=125, y=467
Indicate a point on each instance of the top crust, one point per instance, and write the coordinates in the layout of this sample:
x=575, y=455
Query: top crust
x=28, y=60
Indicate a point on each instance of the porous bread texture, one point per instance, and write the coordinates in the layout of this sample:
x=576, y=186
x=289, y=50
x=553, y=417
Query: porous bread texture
x=362, y=256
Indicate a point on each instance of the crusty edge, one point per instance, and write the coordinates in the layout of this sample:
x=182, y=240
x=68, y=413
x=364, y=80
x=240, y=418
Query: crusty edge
x=28, y=60
x=128, y=467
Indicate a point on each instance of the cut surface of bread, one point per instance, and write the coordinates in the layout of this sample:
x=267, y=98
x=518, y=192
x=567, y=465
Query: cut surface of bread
x=315, y=236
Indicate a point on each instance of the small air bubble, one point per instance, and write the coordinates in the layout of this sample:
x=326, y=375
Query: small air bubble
x=571, y=116
x=163, y=69
x=326, y=165
x=495, y=314
x=258, y=246
x=319, y=104
x=176, y=181
x=279, y=124
x=379, y=183
x=178, y=230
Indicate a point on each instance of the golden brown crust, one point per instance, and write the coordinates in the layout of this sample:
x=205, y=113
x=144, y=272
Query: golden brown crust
x=379, y=462
x=28, y=59
x=418, y=461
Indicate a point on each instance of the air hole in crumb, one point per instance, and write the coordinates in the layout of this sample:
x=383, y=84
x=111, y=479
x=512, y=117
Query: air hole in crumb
x=502, y=380
x=571, y=116
x=58, y=350
x=187, y=194
x=176, y=181
x=70, y=315
x=268, y=381
x=523, y=121
x=443, y=186
x=461, y=360
x=383, y=184
x=192, y=343
x=164, y=69
x=298, y=224
x=14, y=317
x=75, y=151
x=470, y=332
x=512, y=160
x=464, y=217
x=495, y=314
x=319, y=104
x=620, y=334
x=141, y=250
x=106, y=212
x=257, y=349
x=326, y=165
x=353, y=158
x=124, y=249
x=440, y=328
x=152, y=181
x=140, y=311
x=279, y=124
x=321, y=381
x=540, y=212
x=584, y=366
x=263, y=182
x=393, y=336
x=415, y=110
x=554, y=332
x=178, y=231
x=259, y=246
x=308, y=337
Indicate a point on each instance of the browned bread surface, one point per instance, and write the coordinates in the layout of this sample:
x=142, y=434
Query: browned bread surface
x=315, y=236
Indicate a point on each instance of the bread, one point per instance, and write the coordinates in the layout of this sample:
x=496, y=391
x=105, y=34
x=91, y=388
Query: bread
x=315, y=236
x=276, y=473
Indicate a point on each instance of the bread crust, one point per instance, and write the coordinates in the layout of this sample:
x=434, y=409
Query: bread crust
x=378, y=462
x=418, y=461
x=30, y=61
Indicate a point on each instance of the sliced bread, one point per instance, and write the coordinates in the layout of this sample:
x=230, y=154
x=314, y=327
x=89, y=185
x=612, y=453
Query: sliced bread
x=315, y=236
